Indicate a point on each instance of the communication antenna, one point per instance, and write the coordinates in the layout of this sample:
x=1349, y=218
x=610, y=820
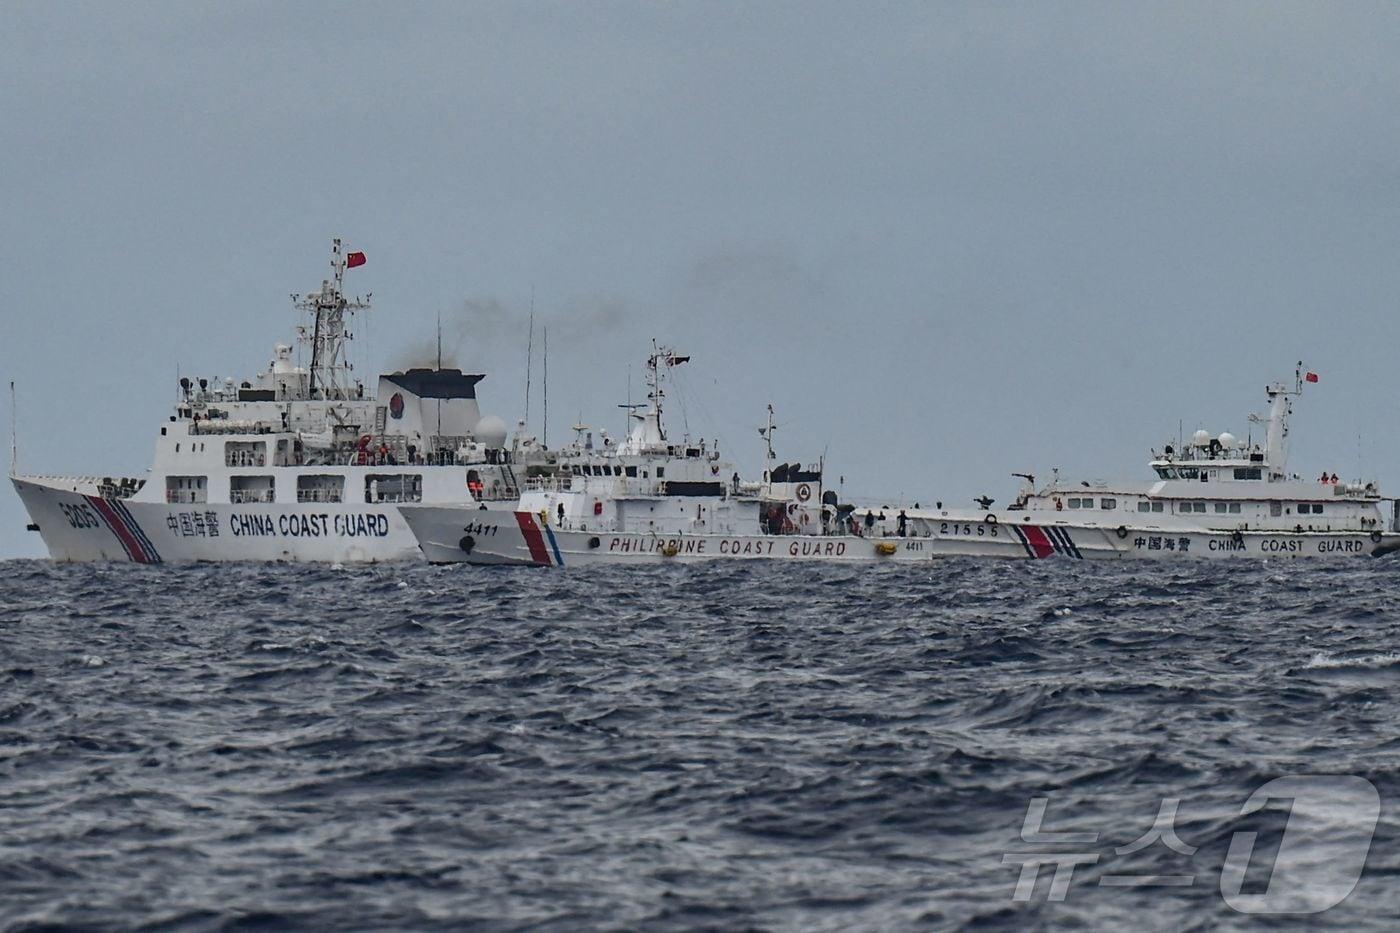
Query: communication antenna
x=14, y=432
x=529, y=355
x=439, y=367
x=546, y=388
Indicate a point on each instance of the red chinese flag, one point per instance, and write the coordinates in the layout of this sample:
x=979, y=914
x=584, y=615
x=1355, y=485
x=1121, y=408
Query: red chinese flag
x=358, y=259
x=1311, y=377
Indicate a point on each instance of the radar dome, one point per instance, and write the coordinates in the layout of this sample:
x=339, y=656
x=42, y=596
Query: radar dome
x=1227, y=440
x=491, y=431
x=1201, y=438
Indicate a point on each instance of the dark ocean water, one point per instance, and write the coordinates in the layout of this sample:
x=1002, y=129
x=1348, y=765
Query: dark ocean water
x=727, y=747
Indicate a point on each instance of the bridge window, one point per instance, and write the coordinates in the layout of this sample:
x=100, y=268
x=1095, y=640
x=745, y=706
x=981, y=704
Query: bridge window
x=394, y=487
x=1219, y=508
x=245, y=453
x=1249, y=473
x=1109, y=504
x=186, y=489
x=317, y=488
x=250, y=489
x=1234, y=508
x=1144, y=506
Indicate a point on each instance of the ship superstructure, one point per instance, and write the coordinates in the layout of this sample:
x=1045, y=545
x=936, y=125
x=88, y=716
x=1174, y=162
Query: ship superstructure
x=300, y=462
x=1213, y=495
x=653, y=496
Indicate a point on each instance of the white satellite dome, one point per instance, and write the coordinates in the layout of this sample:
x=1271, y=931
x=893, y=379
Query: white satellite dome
x=491, y=431
x=1227, y=440
x=1201, y=438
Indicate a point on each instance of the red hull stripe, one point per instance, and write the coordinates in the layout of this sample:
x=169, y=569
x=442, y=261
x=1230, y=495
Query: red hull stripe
x=121, y=525
x=1039, y=542
x=153, y=556
x=538, y=552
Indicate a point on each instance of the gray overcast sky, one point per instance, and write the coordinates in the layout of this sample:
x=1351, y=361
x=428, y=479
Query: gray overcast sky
x=947, y=241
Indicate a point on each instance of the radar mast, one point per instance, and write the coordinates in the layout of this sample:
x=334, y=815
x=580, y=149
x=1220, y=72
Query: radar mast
x=326, y=333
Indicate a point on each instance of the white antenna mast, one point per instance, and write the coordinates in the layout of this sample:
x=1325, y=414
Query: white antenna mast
x=529, y=355
x=546, y=388
x=14, y=432
x=439, y=366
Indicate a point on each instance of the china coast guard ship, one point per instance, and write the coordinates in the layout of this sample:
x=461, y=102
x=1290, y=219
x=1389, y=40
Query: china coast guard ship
x=296, y=464
x=1214, y=497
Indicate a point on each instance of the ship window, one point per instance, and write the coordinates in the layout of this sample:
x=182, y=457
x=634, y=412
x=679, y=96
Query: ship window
x=245, y=453
x=1200, y=507
x=1188, y=474
x=1248, y=473
x=186, y=489
x=660, y=472
x=1234, y=508
x=1275, y=509
x=1158, y=507
x=1074, y=503
x=250, y=489
x=394, y=487
x=632, y=471
x=316, y=488
x=1166, y=473
x=1220, y=508
x=1144, y=506
x=1108, y=503
x=1317, y=508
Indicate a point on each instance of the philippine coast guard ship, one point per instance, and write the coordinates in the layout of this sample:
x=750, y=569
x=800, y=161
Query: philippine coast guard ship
x=1215, y=496
x=655, y=498
x=296, y=464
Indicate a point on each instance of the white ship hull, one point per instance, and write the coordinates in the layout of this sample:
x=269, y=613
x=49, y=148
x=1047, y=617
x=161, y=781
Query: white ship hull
x=455, y=535
x=77, y=525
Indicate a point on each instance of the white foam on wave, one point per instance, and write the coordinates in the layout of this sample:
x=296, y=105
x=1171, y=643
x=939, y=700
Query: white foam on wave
x=1325, y=661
